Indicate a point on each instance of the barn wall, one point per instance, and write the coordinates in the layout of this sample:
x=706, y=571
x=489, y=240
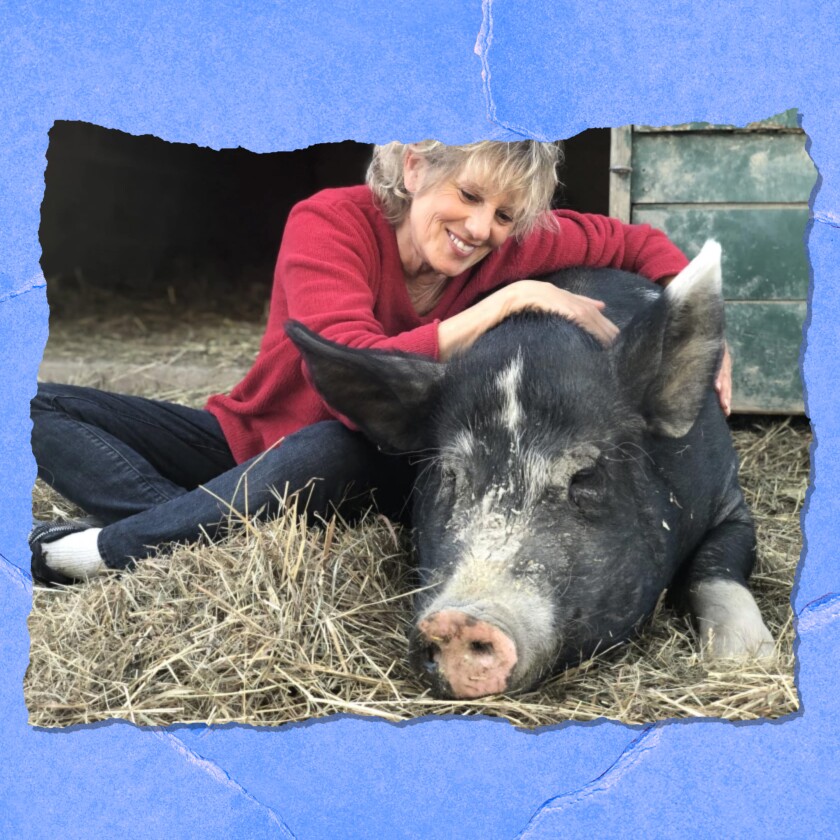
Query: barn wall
x=138, y=213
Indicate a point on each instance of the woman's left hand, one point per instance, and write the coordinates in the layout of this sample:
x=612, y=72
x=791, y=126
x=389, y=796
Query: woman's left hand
x=723, y=381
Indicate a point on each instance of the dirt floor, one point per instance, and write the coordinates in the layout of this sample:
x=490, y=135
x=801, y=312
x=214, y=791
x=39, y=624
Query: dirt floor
x=280, y=624
x=178, y=346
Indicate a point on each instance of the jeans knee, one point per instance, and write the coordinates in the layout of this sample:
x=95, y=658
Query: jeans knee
x=47, y=414
x=48, y=397
x=43, y=399
x=40, y=407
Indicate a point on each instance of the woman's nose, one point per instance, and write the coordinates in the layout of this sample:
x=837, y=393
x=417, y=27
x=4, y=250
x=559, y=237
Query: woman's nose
x=479, y=223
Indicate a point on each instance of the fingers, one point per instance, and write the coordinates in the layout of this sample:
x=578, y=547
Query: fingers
x=723, y=381
x=602, y=328
x=584, y=311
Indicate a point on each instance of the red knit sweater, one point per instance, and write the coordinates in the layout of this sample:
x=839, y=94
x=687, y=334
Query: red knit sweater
x=339, y=273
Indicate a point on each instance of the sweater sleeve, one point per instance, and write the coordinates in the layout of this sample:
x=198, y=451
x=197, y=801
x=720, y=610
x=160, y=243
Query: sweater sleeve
x=331, y=275
x=585, y=239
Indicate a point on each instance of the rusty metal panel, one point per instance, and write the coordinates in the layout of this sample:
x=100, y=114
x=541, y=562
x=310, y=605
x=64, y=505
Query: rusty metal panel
x=787, y=120
x=748, y=187
x=765, y=340
x=720, y=167
x=763, y=247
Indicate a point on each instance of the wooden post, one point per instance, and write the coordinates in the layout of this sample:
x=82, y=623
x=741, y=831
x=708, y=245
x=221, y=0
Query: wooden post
x=621, y=169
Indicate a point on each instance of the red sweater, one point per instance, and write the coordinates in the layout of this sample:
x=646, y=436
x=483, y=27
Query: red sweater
x=339, y=273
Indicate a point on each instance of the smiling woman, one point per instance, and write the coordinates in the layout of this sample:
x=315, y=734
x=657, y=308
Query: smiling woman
x=424, y=259
x=452, y=225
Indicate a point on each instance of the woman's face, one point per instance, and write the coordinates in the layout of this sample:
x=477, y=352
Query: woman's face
x=452, y=225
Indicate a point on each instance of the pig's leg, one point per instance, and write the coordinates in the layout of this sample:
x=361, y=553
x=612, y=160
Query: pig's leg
x=727, y=615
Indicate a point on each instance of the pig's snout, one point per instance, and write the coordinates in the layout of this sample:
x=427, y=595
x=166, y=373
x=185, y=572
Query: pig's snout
x=469, y=657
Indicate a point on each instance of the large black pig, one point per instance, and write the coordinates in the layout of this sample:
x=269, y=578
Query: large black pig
x=564, y=485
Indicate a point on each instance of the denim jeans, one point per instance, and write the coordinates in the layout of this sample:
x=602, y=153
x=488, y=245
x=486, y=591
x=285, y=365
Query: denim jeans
x=156, y=472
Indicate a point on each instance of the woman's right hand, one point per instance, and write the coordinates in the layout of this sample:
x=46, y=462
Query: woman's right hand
x=584, y=311
x=457, y=333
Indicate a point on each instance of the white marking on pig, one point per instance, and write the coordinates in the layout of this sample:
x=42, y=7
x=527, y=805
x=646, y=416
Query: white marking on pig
x=508, y=382
x=490, y=537
x=729, y=621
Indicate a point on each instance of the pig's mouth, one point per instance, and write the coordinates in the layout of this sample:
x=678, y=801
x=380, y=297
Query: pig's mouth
x=461, y=656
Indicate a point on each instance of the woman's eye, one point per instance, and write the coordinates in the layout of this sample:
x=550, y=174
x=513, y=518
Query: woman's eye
x=504, y=217
x=468, y=196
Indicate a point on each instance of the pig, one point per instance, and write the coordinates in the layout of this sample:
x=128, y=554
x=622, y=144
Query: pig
x=564, y=485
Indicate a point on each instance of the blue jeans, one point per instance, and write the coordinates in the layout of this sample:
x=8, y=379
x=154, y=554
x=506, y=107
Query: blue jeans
x=156, y=472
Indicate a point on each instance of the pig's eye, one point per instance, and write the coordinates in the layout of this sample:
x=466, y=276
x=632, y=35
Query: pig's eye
x=586, y=487
x=449, y=479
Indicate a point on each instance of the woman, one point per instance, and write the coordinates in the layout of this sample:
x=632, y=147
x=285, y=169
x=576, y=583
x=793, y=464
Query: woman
x=405, y=263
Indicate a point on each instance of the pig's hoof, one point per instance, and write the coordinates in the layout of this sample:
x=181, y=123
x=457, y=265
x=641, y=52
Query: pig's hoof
x=749, y=640
x=469, y=657
x=729, y=622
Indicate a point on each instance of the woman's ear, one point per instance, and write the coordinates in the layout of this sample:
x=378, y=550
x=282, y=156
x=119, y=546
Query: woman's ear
x=413, y=168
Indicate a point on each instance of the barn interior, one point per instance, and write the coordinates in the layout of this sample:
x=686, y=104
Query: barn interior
x=159, y=259
x=139, y=235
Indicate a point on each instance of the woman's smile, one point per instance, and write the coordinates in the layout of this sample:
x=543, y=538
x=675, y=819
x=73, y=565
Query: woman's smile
x=461, y=247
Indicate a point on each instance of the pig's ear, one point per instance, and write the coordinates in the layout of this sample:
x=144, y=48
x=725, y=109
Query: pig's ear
x=670, y=353
x=388, y=396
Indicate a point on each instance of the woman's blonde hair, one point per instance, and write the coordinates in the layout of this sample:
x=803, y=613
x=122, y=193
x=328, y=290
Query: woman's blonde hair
x=524, y=167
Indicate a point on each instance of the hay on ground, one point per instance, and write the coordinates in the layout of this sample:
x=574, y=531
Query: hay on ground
x=279, y=623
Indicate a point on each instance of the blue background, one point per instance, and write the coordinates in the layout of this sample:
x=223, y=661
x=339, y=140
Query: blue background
x=282, y=75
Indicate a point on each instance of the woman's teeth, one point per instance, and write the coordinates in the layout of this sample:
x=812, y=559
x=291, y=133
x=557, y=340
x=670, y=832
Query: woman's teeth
x=460, y=244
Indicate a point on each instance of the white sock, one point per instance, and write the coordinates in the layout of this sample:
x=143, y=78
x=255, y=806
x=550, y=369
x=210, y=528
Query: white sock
x=75, y=555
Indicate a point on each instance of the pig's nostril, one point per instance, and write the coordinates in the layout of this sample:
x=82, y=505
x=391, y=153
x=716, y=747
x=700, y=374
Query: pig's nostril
x=430, y=663
x=481, y=647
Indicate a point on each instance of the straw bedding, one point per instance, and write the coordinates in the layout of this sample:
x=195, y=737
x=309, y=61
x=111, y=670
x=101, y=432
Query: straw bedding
x=279, y=623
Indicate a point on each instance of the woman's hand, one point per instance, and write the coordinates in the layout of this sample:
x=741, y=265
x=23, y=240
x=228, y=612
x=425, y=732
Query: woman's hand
x=723, y=381
x=460, y=331
x=584, y=311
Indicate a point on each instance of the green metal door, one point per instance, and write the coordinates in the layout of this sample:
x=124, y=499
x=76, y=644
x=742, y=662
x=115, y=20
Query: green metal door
x=749, y=189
